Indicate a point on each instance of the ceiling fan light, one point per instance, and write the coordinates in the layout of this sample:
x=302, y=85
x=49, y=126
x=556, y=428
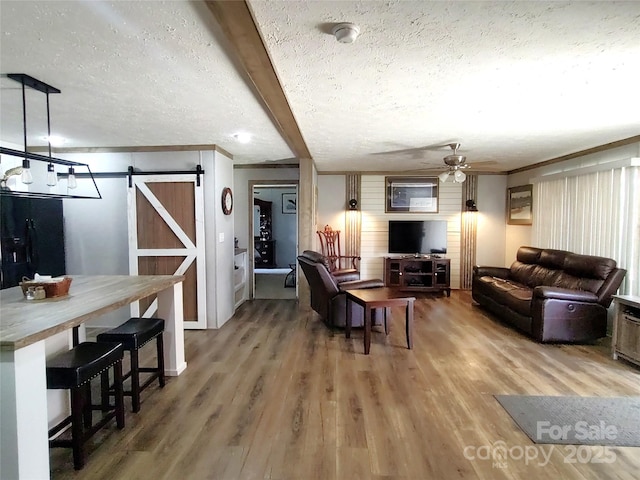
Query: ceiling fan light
x=459, y=176
x=443, y=176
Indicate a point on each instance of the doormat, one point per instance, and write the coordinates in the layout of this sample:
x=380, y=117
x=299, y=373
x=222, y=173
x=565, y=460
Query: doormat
x=575, y=420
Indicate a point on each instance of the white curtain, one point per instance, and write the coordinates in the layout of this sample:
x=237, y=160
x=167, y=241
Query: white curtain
x=593, y=214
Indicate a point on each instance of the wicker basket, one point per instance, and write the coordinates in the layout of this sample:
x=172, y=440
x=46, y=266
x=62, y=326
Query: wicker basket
x=51, y=288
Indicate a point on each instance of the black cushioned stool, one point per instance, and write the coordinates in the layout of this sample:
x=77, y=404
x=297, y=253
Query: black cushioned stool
x=73, y=370
x=134, y=334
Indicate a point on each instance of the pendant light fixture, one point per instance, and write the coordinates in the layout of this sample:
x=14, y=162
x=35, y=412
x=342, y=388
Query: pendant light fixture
x=26, y=176
x=44, y=184
x=71, y=179
x=52, y=176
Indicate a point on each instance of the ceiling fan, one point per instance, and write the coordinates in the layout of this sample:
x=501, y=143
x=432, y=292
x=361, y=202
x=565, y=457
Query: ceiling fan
x=455, y=163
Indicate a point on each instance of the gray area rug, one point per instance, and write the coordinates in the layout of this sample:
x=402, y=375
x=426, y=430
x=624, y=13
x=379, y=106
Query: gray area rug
x=613, y=421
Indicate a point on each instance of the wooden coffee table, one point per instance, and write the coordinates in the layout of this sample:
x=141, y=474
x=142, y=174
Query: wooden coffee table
x=383, y=297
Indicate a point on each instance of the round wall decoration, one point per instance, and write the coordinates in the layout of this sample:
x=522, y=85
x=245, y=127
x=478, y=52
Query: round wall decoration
x=227, y=201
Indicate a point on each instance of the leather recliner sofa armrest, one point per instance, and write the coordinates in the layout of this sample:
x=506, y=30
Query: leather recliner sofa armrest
x=559, y=293
x=499, y=272
x=360, y=284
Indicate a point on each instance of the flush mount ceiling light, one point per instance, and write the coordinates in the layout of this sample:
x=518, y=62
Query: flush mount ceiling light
x=242, y=137
x=54, y=140
x=346, y=32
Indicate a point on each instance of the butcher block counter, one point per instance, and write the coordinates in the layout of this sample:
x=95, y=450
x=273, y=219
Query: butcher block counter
x=26, y=324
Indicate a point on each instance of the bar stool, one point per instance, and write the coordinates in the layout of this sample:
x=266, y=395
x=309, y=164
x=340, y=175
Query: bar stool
x=134, y=334
x=73, y=370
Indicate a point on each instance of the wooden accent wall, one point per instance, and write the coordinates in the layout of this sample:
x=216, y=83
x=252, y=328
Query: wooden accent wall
x=469, y=230
x=375, y=225
x=352, y=221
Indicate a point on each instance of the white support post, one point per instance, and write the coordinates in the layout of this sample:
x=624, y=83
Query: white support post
x=24, y=448
x=170, y=309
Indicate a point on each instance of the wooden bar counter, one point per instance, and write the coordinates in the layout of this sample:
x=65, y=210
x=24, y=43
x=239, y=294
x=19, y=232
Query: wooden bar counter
x=26, y=324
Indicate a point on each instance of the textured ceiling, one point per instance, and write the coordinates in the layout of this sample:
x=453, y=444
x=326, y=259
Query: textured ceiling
x=133, y=73
x=515, y=83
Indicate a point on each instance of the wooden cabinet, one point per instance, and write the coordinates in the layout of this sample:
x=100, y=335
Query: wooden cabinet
x=626, y=328
x=427, y=274
x=265, y=254
x=265, y=247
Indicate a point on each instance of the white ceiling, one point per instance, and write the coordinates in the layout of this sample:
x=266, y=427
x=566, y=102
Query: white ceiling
x=515, y=83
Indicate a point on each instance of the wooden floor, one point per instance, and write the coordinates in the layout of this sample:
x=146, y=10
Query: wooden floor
x=275, y=394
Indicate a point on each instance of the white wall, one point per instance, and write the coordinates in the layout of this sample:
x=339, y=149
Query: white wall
x=491, y=230
x=96, y=241
x=220, y=273
x=96, y=238
x=332, y=191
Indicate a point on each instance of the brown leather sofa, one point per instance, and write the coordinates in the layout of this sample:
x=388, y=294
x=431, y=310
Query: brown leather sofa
x=552, y=295
x=327, y=291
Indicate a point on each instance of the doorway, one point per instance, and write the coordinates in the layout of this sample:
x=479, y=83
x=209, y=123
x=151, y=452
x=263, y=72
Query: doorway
x=274, y=235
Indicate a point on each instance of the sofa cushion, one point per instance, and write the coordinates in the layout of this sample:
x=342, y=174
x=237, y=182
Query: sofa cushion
x=534, y=266
x=552, y=259
x=589, y=266
x=513, y=295
x=528, y=255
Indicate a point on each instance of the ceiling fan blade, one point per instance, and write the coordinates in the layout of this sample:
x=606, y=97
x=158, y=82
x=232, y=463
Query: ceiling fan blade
x=413, y=150
x=487, y=162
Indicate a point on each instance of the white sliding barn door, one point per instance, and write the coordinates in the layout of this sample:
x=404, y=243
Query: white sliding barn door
x=166, y=237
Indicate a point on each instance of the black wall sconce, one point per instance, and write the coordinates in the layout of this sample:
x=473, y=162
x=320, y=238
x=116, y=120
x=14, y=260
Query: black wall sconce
x=353, y=204
x=471, y=206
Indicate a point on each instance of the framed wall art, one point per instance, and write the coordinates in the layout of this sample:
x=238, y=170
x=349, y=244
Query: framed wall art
x=289, y=203
x=412, y=194
x=520, y=205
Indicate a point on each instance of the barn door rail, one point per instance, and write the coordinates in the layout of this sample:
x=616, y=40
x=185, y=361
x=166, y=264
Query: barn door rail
x=131, y=172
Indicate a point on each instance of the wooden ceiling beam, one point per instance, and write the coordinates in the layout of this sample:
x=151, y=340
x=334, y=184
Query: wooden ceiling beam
x=239, y=28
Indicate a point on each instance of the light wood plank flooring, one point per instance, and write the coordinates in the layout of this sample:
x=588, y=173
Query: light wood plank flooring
x=274, y=394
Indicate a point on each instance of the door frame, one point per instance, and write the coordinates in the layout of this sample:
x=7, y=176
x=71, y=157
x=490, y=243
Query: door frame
x=251, y=260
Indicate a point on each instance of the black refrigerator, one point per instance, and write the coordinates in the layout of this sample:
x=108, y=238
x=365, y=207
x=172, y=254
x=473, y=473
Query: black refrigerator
x=32, y=236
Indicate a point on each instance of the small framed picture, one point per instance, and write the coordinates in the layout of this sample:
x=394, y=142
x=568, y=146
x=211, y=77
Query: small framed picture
x=289, y=203
x=520, y=205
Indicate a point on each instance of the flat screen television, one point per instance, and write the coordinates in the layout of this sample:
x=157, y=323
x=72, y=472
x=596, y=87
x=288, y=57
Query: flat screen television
x=418, y=236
